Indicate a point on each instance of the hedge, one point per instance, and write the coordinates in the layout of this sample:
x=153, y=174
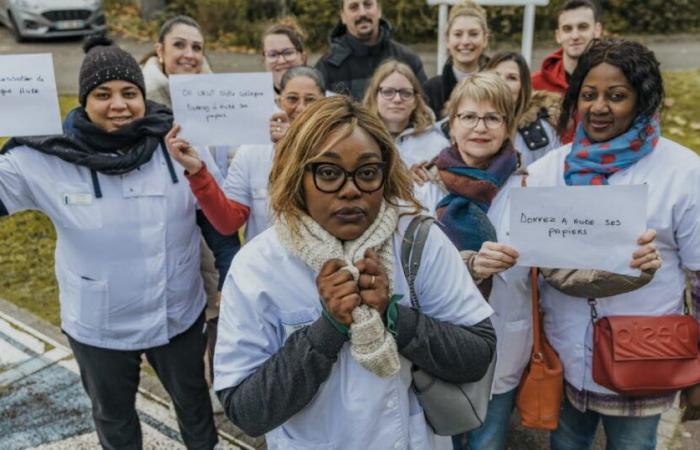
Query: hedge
x=240, y=22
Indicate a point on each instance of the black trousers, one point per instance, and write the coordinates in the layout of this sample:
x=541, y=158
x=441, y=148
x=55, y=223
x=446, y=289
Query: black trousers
x=111, y=380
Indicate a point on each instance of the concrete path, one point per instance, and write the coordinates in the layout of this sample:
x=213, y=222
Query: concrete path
x=674, y=52
x=43, y=404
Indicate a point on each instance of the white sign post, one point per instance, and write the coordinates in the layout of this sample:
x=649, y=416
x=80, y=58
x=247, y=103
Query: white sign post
x=528, y=23
x=578, y=227
x=28, y=96
x=223, y=108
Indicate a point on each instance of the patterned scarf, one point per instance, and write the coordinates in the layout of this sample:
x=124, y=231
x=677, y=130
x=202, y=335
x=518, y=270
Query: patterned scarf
x=462, y=213
x=591, y=163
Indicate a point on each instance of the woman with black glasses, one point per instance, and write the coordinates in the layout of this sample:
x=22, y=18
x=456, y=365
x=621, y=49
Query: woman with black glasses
x=317, y=334
x=395, y=95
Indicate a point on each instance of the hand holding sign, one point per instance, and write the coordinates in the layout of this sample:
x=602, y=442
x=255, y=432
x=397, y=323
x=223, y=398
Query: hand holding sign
x=581, y=227
x=28, y=96
x=182, y=151
x=647, y=258
x=223, y=109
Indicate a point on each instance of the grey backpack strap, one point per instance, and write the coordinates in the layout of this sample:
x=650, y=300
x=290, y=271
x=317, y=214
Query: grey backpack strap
x=412, y=250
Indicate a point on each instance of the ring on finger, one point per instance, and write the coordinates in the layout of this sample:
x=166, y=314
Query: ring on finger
x=371, y=282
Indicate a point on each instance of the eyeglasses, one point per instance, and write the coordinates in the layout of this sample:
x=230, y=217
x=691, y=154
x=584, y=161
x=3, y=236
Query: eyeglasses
x=471, y=120
x=293, y=100
x=331, y=178
x=388, y=93
x=287, y=54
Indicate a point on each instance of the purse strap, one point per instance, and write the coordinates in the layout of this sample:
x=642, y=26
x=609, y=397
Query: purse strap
x=687, y=305
x=535, y=297
x=412, y=250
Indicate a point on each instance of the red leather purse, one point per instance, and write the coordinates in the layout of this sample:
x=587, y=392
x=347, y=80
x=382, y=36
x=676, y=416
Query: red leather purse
x=645, y=355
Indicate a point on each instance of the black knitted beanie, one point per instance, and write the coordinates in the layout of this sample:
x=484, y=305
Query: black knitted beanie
x=104, y=62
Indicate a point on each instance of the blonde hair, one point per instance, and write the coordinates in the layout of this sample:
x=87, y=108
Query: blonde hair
x=305, y=142
x=484, y=87
x=422, y=116
x=468, y=9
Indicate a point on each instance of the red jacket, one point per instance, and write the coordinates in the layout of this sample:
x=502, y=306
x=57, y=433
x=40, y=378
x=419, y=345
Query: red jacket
x=225, y=215
x=551, y=76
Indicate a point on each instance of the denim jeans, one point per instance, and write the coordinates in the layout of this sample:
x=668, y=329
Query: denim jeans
x=577, y=430
x=493, y=434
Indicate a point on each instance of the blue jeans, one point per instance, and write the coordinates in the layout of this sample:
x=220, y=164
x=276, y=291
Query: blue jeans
x=493, y=434
x=577, y=430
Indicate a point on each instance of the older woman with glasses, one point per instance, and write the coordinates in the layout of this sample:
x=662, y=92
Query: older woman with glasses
x=319, y=336
x=464, y=180
x=395, y=95
x=244, y=198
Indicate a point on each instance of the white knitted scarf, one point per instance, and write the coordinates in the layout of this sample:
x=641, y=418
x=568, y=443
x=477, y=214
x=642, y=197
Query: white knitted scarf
x=371, y=344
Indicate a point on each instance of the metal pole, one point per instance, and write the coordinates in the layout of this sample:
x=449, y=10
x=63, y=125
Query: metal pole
x=442, y=29
x=528, y=32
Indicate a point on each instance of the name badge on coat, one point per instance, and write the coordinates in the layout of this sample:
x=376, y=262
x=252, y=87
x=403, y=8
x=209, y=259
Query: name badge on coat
x=77, y=198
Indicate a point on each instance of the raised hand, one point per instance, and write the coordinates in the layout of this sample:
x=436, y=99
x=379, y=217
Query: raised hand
x=182, y=152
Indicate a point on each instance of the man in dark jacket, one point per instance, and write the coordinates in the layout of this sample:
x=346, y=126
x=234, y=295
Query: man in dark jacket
x=359, y=44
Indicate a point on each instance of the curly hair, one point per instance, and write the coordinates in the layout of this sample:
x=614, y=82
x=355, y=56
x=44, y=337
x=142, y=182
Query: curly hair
x=637, y=63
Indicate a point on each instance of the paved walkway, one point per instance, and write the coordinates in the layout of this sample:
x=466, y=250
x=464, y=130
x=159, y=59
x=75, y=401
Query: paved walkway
x=43, y=404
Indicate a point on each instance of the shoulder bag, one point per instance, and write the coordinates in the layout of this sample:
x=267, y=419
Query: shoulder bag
x=449, y=408
x=645, y=355
x=542, y=386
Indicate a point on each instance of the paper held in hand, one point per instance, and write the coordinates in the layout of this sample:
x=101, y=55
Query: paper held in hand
x=223, y=108
x=578, y=227
x=28, y=96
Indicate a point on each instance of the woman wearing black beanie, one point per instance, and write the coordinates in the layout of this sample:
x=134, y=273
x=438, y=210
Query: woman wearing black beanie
x=127, y=253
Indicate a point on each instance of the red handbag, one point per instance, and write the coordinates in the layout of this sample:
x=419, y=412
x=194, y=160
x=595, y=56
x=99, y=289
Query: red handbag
x=645, y=355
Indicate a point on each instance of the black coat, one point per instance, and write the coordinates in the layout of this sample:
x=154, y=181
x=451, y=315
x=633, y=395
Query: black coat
x=439, y=88
x=350, y=63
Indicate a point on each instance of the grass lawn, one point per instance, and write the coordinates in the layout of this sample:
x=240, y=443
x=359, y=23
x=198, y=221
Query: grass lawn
x=27, y=240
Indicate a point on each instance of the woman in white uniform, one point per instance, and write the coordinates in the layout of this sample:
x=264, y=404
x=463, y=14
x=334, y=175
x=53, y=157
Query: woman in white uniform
x=469, y=193
x=180, y=51
x=395, y=95
x=617, y=91
x=127, y=251
x=286, y=365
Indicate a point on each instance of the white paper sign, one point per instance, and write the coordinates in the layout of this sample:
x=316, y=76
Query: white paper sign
x=578, y=227
x=28, y=96
x=223, y=108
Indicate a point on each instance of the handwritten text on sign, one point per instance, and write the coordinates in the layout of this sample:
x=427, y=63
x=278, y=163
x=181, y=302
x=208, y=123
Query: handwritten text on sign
x=223, y=109
x=28, y=96
x=578, y=227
